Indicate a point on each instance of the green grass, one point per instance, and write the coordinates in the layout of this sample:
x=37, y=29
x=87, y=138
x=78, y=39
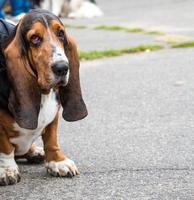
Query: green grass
x=128, y=30
x=116, y=28
x=183, y=44
x=119, y=28
x=91, y=55
x=135, y=30
x=75, y=26
x=154, y=33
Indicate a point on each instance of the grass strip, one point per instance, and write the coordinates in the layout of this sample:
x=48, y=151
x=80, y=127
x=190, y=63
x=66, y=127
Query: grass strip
x=119, y=28
x=154, y=33
x=91, y=55
x=116, y=28
x=75, y=26
x=128, y=30
x=183, y=44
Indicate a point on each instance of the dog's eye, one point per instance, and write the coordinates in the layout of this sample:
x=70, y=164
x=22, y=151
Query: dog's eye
x=36, y=40
x=61, y=35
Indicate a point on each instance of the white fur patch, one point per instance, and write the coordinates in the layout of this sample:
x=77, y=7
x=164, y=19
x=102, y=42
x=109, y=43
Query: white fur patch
x=48, y=111
x=9, y=173
x=58, y=55
x=62, y=168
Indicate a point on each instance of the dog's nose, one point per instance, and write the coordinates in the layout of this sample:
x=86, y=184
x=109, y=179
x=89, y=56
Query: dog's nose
x=60, y=68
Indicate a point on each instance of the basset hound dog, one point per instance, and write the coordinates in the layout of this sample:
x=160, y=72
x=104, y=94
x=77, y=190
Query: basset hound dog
x=39, y=73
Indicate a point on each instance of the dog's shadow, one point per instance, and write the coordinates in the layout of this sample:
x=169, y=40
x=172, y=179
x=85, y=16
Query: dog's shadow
x=26, y=162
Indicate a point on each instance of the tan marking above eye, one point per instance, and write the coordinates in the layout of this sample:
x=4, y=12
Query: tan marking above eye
x=36, y=29
x=56, y=25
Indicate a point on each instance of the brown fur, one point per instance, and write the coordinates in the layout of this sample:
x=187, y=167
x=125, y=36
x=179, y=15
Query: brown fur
x=51, y=148
x=24, y=100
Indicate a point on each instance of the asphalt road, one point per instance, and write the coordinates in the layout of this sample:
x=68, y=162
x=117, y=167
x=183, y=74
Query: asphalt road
x=168, y=15
x=138, y=141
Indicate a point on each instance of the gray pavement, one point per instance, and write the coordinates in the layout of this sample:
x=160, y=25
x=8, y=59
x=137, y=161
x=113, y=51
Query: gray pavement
x=137, y=142
x=88, y=39
x=167, y=15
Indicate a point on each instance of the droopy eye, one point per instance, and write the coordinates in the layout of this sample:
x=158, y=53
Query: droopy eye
x=61, y=34
x=36, y=40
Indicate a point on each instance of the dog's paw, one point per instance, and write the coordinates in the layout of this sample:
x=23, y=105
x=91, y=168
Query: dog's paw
x=36, y=155
x=9, y=173
x=9, y=176
x=65, y=168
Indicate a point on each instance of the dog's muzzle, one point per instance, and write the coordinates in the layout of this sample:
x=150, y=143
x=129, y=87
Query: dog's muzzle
x=60, y=68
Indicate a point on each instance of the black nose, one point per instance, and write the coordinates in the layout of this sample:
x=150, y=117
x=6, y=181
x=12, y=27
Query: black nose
x=60, y=68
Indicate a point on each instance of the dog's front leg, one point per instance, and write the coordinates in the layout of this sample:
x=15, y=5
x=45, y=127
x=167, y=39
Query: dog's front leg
x=57, y=163
x=9, y=172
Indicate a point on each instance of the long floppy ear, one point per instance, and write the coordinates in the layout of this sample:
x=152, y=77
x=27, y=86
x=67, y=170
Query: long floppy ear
x=72, y=102
x=24, y=99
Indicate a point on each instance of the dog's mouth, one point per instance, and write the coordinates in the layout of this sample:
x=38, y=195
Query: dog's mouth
x=60, y=81
x=55, y=83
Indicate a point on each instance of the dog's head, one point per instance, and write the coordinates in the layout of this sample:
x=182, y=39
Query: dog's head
x=40, y=57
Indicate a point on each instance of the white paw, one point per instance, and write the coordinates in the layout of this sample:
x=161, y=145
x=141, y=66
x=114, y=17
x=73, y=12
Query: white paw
x=38, y=151
x=36, y=156
x=62, y=168
x=9, y=173
x=9, y=176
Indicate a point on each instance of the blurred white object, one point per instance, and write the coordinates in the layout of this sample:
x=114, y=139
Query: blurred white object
x=72, y=8
x=86, y=10
x=55, y=6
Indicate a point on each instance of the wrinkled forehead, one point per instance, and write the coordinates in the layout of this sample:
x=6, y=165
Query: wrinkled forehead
x=44, y=18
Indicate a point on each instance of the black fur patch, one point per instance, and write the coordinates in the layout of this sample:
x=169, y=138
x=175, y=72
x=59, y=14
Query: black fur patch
x=6, y=30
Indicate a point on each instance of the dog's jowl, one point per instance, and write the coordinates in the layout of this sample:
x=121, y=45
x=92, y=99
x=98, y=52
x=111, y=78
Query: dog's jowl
x=39, y=73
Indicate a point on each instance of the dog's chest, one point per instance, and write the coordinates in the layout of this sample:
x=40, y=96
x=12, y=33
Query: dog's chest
x=48, y=110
